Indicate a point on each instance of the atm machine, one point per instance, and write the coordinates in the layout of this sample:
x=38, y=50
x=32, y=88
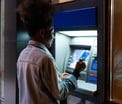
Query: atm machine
x=76, y=38
x=74, y=45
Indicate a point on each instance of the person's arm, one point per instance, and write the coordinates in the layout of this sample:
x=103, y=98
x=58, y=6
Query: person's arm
x=49, y=78
x=80, y=65
x=71, y=79
x=58, y=88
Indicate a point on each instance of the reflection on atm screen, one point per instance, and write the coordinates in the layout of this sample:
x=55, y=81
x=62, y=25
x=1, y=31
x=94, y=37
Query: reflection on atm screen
x=78, y=54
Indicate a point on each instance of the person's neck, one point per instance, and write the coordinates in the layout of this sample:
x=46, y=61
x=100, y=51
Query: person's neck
x=40, y=41
x=37, y=40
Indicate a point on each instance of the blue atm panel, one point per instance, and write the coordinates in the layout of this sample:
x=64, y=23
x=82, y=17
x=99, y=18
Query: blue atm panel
x=85, y=17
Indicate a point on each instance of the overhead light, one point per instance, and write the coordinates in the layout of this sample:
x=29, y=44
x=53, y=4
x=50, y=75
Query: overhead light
x=80, y=33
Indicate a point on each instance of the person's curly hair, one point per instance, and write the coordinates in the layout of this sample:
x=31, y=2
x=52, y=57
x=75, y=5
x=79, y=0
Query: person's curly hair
x=35, y=15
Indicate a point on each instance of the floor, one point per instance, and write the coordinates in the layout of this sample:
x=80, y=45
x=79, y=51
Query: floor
x=75, y=100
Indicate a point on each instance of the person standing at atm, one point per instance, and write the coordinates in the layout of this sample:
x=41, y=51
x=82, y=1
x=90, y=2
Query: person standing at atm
x=39, y=81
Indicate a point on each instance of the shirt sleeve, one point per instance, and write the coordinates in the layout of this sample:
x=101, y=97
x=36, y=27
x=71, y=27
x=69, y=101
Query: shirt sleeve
x=58, y=89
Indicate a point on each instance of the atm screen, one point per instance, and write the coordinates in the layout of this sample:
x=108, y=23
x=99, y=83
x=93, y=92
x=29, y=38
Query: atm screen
x=78, y=54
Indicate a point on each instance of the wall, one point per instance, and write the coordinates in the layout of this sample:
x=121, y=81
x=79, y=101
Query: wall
x=9, y=49
x=62, y=51
x=117, y=51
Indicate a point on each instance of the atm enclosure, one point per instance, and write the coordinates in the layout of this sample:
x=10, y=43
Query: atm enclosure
x=73, y=44
x=78, y=35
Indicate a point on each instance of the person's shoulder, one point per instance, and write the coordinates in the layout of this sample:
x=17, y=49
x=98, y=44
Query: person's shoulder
x=22, y=51
x=41, y=55
x=39, y=52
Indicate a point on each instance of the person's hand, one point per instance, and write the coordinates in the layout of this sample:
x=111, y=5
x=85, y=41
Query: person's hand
x=80, y=66
x=64, y=75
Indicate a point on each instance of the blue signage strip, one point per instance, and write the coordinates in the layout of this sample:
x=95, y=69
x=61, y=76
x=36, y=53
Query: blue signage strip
x=85, y=17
